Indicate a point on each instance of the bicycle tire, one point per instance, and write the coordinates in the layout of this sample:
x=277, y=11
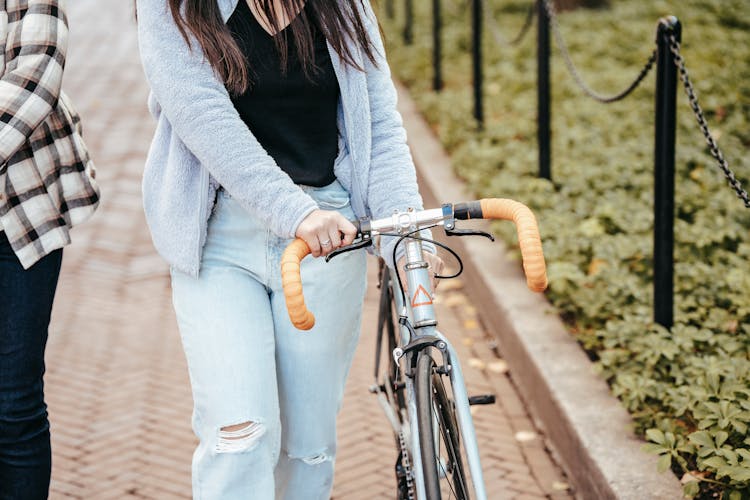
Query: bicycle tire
x=440, y=447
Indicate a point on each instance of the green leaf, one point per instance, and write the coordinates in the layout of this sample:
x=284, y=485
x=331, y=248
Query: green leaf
x=702, y=438
x=656, y=436
x=721, y=437
x=654, y=449
x=740, y=474
x=740, y=426
x=730, y=455
x=691, y=489
x=715, y=462
x=664, y=463
x=735, y=495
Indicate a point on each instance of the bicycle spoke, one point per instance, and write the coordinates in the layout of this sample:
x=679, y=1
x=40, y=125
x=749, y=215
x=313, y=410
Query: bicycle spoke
x=451, y=441
x=441, y=462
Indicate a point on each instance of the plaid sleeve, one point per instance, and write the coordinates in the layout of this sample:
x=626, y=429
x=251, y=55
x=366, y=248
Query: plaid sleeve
x=30, y=85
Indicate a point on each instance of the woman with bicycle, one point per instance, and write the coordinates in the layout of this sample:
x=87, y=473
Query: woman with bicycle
x=276, y=119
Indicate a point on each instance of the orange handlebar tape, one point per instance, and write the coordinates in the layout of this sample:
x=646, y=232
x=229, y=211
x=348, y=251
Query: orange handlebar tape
x=528, y=237
x=291, y=281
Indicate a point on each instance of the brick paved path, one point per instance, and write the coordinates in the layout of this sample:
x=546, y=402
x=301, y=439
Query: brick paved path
x=117, y=384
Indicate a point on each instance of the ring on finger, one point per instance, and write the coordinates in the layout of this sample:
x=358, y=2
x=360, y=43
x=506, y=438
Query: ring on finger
x=325, y=243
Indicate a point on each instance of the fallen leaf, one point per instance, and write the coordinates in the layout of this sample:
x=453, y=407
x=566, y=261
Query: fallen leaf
x=471, y=324
x=525, y=436
x=477, y=363
x=498, y=366
x=560, y=486
x=692, y=475
x=467, y=341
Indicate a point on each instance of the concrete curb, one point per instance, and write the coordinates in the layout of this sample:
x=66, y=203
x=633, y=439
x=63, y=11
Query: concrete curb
x=589, y=429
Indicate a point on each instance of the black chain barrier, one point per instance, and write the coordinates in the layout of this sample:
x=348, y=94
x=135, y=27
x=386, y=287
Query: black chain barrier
x=497, y=34
x=674, y=46
x=549, y=7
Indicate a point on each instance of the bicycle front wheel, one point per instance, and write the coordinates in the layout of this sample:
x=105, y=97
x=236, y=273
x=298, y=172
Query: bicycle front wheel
x=439, y=442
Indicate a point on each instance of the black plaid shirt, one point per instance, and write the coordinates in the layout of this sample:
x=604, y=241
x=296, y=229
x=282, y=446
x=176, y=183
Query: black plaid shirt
x=46, y=177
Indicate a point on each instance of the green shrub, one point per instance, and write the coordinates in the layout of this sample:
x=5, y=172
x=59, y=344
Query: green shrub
x=688, y=389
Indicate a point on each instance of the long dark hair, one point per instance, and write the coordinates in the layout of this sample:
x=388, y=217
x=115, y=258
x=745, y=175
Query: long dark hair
x=338, y=22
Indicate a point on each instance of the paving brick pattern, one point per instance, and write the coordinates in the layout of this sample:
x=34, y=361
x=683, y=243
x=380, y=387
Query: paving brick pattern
x=117, y=383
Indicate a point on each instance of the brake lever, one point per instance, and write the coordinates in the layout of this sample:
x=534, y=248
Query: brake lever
x=364, y=243
x=468, y=232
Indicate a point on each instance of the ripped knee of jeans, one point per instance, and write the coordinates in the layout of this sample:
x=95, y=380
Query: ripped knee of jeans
x=240, y=437
x=315, y=459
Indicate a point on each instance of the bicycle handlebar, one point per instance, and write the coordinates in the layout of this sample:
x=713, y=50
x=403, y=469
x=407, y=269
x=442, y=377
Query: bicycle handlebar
x=291, y=281
x=528, y=237
x=490, y=208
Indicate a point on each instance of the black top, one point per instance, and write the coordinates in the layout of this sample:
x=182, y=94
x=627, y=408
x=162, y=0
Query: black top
x=292, y=116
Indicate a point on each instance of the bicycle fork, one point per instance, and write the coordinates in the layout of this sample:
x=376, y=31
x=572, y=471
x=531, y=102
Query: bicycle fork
x=465, y=422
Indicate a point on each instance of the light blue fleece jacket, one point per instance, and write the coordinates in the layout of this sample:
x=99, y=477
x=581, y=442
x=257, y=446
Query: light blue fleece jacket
x=201, y=137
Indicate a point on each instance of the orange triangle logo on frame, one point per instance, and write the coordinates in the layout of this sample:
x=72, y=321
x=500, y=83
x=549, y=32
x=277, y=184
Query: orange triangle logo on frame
x=421, y=298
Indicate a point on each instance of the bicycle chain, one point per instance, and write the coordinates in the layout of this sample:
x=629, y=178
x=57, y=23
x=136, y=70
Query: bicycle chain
x=550, y=8
x=406, y=464
x=674, y=47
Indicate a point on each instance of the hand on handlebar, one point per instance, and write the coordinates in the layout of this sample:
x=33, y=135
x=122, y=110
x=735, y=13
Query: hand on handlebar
x=324, y=231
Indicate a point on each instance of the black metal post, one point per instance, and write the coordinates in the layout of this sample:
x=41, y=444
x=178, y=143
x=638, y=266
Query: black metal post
x=389, y=9
x=543, y=91
x=664, y=152
x=476, y=31
x=409, y=22
x=437, y=24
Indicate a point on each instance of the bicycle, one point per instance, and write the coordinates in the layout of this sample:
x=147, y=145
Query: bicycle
x=422, y=392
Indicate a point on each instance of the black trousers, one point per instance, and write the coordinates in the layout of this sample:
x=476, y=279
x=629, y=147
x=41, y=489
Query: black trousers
x=25, y=306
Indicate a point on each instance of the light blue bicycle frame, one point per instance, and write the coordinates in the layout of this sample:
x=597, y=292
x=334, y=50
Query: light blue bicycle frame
x=423, y=319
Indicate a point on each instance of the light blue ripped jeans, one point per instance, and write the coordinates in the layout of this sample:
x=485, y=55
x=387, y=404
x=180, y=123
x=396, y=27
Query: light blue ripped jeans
x=279, y=389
